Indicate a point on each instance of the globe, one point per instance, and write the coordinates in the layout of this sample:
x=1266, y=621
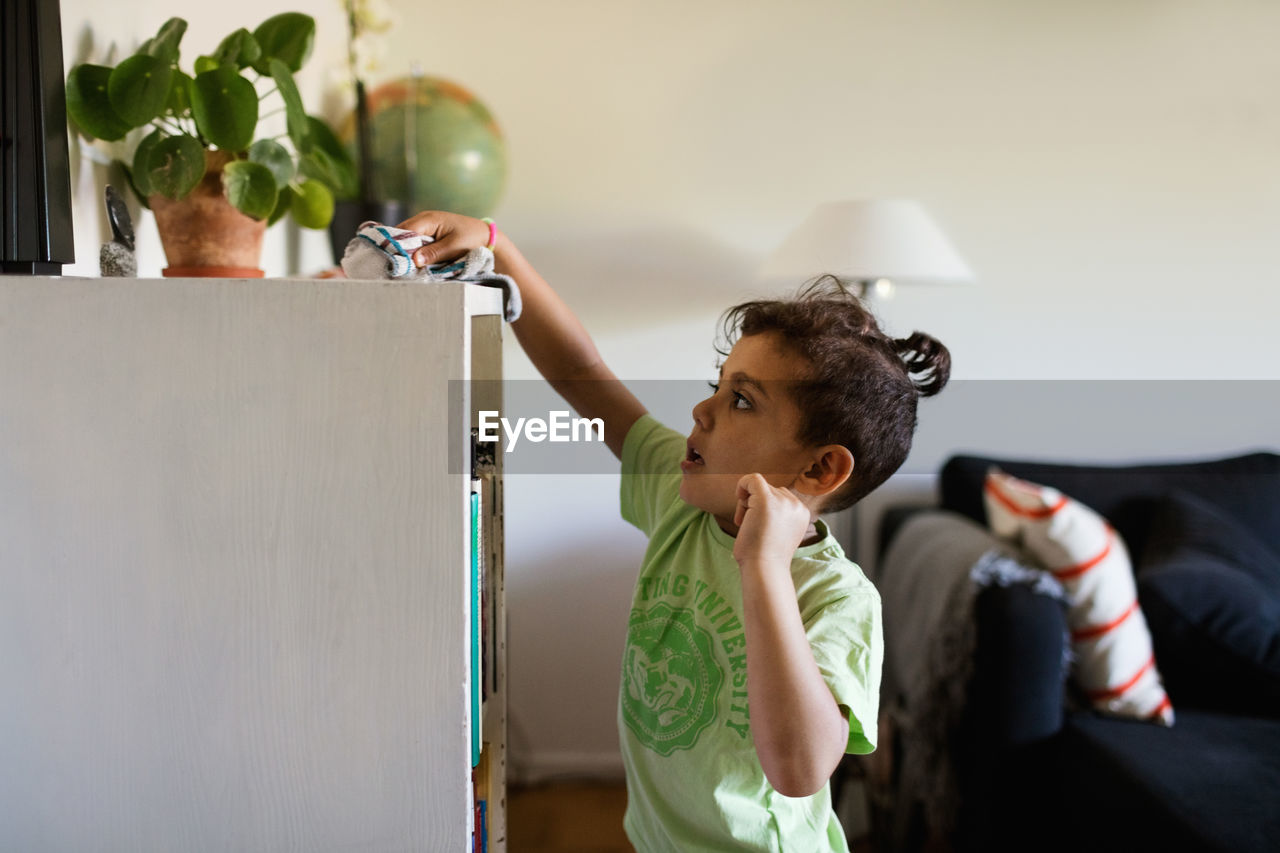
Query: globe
x=434, y=146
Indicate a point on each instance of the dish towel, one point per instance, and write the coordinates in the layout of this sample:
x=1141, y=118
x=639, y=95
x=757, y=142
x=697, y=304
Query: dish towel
x=384, y=251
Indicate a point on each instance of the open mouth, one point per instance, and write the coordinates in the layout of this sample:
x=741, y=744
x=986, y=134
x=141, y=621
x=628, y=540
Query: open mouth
x=693, y=457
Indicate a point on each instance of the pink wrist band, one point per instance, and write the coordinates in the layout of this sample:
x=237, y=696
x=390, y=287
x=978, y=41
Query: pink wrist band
x=493, y=233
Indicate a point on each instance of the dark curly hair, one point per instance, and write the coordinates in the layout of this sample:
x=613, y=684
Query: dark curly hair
x=862, y=386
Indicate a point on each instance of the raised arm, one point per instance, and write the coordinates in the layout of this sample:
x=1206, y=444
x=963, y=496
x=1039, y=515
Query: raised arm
x=548, y=331
x=798, y=730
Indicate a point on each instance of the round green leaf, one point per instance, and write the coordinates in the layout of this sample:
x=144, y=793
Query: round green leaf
x=142, y=162
x=323, y=137
x=240, y=49
x=139, y=88
x=225, y=107
x=89, y=105
x=341, y=171
x=251, y=188
x=175, y=165
x=179, y=103
x=205, y=63
x=165, y=45
x=287, y=37
x=295, y=116
x=130, y=175
x=284, y=200
x=337, y=177
x=275, y=157
x=312, y=204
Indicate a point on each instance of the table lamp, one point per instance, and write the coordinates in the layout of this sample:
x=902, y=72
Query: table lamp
x=871, y=243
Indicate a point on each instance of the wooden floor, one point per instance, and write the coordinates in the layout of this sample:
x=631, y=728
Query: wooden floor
x=567, y=817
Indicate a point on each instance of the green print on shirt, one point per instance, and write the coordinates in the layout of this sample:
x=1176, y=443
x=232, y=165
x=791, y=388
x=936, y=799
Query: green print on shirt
x=670, y=679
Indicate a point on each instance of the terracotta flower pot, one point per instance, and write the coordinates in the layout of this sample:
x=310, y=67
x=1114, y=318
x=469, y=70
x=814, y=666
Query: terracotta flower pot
x=203, y=235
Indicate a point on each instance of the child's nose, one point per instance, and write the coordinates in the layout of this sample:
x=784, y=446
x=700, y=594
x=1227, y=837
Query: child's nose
x=702, y=413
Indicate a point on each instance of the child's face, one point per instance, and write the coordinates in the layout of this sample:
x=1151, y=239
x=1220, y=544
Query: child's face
x=747, y=426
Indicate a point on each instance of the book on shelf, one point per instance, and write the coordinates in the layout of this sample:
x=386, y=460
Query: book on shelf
x=481, y=786
x=489, y=583
x=483, y=583
x=475, y=640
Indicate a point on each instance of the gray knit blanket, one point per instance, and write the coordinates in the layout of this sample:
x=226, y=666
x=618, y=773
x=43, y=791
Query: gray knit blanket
x=938, y=563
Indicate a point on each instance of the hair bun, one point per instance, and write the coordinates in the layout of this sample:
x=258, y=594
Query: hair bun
x=927, y=360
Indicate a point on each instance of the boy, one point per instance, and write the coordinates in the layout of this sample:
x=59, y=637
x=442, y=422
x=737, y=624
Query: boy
x=754, y=646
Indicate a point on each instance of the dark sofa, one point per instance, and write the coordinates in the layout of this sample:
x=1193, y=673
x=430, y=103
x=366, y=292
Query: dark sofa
x=1035, y=768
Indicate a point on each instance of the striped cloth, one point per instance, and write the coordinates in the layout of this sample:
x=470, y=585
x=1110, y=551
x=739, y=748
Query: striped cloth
x=383, y=251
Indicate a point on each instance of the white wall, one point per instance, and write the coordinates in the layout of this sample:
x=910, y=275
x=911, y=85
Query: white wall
x=1111, y=172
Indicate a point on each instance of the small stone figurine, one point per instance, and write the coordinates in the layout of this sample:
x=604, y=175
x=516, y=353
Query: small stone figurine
x=116, y=259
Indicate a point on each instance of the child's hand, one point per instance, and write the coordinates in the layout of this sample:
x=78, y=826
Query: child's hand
x=771, y=522
x=453, y=233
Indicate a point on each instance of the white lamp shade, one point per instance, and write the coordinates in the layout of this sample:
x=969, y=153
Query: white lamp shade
x=865, y=240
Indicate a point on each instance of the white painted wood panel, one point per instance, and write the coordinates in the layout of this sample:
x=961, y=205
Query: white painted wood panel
x=232, y=565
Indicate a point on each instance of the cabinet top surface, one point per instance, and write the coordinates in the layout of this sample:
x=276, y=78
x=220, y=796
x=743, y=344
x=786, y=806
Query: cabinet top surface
x=477, y=299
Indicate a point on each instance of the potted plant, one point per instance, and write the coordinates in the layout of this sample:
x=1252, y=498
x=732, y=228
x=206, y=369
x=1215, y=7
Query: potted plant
x=212, y=177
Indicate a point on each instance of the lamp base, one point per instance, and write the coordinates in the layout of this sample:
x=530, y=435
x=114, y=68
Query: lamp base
x=880, y=288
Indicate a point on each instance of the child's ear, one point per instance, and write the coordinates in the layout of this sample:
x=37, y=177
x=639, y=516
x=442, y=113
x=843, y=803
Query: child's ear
x=832, y=466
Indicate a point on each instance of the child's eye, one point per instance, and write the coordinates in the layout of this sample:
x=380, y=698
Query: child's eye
x=739, y=402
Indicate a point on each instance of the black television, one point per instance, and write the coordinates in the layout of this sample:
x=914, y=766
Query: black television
x=35, y=167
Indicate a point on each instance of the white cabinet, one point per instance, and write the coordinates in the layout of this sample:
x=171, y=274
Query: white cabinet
x=235, y=592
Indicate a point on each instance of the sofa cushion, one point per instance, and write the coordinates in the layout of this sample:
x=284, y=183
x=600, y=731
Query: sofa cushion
x=1211, y=592
x=1115, y=665
x=1247, y=486
x=1207, y=784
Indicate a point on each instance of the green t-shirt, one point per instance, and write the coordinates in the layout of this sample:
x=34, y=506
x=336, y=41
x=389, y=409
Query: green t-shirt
x=694, y=782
